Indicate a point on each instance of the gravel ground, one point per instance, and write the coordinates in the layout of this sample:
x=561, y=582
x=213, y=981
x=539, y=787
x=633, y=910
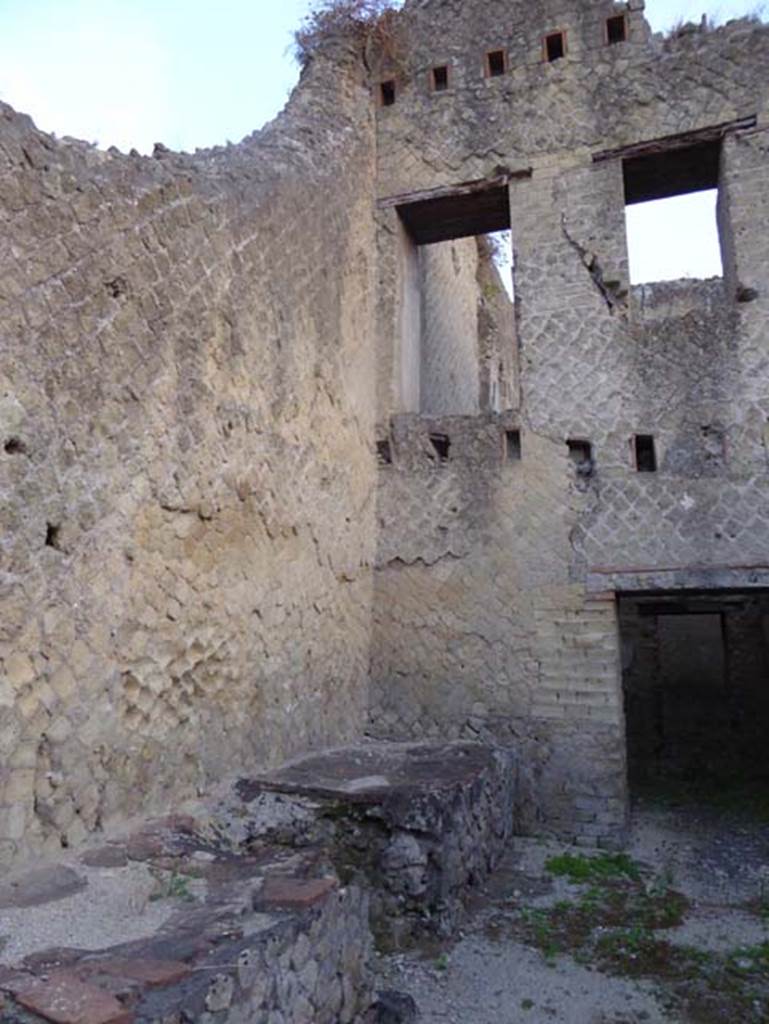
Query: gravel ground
x=482, y=979
x=115, y=907
x=506, y=983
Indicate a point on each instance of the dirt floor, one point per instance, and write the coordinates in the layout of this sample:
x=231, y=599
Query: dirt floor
x=674, y=931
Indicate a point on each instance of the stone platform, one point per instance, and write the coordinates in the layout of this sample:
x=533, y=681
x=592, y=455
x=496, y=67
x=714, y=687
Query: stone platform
x=415, y=824
x=259, y=904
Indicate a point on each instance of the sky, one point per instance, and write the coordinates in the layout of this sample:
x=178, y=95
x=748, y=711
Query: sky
x=188, y=73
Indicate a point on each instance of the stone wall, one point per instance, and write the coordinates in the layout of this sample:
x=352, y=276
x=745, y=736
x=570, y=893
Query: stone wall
x=186, y=468
x=476, y=637
x=495, y=607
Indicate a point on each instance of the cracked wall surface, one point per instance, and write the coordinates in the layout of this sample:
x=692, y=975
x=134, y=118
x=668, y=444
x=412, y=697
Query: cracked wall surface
x=185, y=462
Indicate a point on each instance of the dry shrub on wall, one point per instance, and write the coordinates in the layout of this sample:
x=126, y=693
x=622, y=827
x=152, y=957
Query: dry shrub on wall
x=373, y=24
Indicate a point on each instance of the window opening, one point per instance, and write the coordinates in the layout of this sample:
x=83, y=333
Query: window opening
x=555, y=46
x=387, y=93
x=645, y=453
x=442, y=445
x=616, y=29
x=440, y=78
x=513, y=450
x=496, y=63
x=447, y=354
x=671, y=198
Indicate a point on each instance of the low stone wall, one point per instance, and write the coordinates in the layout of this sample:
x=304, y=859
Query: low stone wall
x=259, y=907
x=258, y=937
x=415, y=824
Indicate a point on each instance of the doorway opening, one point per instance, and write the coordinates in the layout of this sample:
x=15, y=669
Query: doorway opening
x=696, y=688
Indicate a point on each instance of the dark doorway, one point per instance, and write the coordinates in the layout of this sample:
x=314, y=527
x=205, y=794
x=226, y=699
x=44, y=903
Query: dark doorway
x=696, y=686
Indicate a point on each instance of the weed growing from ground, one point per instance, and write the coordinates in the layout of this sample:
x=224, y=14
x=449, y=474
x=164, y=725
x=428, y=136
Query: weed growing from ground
x=172, y=886
x=617, y=923
x=578, y=868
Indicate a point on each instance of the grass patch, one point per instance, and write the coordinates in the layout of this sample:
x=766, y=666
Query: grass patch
x=569, y=926
x=750, y=959
x=580, y=869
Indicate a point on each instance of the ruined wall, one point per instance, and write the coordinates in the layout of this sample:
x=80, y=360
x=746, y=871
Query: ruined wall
x=478, y=631
x=495, y=593
x=186, y=393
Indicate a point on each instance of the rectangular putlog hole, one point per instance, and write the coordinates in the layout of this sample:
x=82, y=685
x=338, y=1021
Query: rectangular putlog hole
x=555, y=46
x=439, y=78
x=645, y=453
x=441, y=445
x=616, y=29
x=387, y=93
x=496, y=63
x=384, y=453
x=581, y=454
x=513, y=449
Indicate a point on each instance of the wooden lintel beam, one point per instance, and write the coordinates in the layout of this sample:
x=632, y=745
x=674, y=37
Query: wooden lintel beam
x=669, y=142
x=454, y=191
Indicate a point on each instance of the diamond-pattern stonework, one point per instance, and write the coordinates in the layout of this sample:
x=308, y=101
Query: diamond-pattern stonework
x=274, y=472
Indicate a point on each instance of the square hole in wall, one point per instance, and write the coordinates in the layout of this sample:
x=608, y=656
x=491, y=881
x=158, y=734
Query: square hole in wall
x=555, y=46
x=387, y=93
x=513, y=449
x=441, y=445
x=496, y=63
x=384, y=452
x=581, y=454
x=645, y=453
x=616, y=29
x=439, y=78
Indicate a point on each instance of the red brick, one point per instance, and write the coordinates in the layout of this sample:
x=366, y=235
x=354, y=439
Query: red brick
x=294, y=893
x=64, y=999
